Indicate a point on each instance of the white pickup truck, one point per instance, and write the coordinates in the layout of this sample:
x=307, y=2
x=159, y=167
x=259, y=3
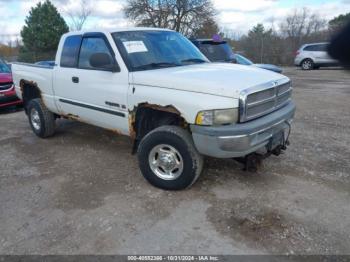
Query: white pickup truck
x=155, y=86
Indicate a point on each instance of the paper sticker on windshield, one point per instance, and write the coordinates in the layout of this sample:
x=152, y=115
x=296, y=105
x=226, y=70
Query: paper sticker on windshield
x=135, y=47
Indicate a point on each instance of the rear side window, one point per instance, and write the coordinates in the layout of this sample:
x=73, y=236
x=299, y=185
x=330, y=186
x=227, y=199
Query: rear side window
x=70, y=51
x=90, y=46
x=321, y=48
x=317, y=48
x=309, y=48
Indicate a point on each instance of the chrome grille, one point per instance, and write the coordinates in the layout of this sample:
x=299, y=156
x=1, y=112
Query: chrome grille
x=5, y=86
x=261, y=100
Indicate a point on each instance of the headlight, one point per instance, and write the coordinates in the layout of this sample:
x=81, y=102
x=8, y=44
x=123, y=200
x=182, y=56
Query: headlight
x=217, y=117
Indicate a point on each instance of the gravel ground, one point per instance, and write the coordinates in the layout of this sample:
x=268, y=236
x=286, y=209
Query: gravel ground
x=81, y=192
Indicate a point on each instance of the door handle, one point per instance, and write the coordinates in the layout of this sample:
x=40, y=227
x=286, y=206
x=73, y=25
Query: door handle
x=75, y=79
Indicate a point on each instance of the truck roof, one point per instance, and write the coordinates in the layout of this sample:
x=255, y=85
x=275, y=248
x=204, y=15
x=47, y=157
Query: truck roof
x=114, y=30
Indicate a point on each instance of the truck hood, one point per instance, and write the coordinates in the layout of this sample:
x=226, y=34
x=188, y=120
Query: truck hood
x=220, y=79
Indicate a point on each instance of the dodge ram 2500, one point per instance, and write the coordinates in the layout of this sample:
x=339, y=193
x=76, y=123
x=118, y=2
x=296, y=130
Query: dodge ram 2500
x=155, y=86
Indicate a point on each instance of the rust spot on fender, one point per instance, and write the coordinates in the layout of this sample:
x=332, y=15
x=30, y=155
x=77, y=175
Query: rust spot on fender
x=30, y=84
x=131, y=120
x=72, y=117
x=168, y=108
x=132, y=114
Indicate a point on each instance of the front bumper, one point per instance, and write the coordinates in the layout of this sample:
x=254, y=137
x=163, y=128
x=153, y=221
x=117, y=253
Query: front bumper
x=244, y=138
x=9, y=98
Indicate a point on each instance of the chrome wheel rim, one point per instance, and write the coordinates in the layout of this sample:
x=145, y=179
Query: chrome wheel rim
x=307, y=65
x=166, y=162
x=35, y=119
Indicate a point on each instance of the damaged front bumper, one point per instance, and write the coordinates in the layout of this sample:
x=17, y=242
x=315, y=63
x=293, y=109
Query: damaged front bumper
x=242, y=139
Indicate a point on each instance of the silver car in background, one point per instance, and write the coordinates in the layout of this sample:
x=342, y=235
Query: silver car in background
x=314, y=56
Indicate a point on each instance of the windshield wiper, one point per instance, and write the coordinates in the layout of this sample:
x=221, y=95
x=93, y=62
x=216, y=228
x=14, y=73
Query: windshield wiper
x=194, y=60
x=156, y=65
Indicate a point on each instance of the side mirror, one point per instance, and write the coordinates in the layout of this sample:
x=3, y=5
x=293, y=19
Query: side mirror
x=103, y=61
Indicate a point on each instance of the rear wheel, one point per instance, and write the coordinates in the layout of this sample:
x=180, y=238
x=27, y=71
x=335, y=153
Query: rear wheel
x=41, y=120
x=307, y=64
x=168, y=158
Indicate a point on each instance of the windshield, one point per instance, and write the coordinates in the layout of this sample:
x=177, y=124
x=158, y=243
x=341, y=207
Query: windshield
x=242, y=60
x=217, y=52
x=4, y=68
x=146, y=50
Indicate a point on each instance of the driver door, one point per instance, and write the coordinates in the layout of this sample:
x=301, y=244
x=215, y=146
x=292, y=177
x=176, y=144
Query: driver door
x=93, y=92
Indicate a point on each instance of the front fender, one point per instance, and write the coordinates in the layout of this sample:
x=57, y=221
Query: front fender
x=188, y=104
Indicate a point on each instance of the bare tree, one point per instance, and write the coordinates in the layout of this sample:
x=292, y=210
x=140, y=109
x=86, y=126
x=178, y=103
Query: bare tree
x=185, y=16
x=277, y=45
x=301, y=24
x=79, y=18
x=207, y=29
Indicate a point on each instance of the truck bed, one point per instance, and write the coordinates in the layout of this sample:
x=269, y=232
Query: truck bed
x=39, y=75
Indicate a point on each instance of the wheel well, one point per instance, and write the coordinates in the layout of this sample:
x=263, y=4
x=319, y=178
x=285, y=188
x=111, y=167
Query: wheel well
x=30, y=91
x=146, y=117
x=302, y=61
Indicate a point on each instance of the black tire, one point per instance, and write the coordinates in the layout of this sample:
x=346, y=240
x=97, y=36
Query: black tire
x=41, y=120
x=307, y=64
x=180, y=140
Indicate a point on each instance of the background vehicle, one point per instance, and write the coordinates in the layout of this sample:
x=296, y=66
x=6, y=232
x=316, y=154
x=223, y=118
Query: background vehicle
x=8, y=95
x=245, y=61
x=314, y=56
x=155, y=86
x=45, y=63
x=215, y=50
x=220, y=51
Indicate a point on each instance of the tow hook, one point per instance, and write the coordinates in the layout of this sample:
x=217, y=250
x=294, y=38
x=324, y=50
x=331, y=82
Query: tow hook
x=253, y=161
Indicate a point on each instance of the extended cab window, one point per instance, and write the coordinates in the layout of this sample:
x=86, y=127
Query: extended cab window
x=89, y=47
x=70, y=51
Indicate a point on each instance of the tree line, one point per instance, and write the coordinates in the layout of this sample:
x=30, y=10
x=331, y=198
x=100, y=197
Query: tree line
x=269, y=45
x=275, y=43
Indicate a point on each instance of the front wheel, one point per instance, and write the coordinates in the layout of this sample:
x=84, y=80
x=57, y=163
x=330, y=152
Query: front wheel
x=168, y=158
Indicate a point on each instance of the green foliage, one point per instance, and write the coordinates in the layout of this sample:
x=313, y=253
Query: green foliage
x=259, y=29
x=339, y=22
x=42, y=32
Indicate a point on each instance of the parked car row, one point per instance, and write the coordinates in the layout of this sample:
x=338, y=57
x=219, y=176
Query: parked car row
x=308, y=57
x=8, y=96
x=217, y=50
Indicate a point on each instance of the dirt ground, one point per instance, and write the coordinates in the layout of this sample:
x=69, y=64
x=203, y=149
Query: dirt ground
x=81, y=192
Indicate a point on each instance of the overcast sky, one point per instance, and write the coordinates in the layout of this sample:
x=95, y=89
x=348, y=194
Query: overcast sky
x=237, y=15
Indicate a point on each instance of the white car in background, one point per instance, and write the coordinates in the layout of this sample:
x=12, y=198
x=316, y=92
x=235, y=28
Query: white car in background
x=314, y=56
